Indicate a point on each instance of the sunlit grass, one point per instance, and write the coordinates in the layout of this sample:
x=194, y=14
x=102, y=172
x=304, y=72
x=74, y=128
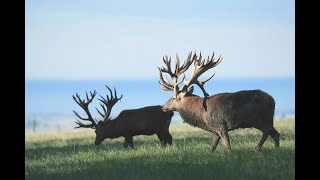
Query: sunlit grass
x=73, y=155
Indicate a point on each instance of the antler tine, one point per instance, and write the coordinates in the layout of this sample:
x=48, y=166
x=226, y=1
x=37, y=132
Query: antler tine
x=87, y=97
x=167, y=69
x=109, y=103
x=115, y=94
x=212, y=56
x=93, y=94
x=164, y=83
x=105, y=111
x=81, y=125
x=204, y=81
x=176, y=71
x=89, y=100
x=218, y=60
x=85, y=106
x=184, y=77
x=105, y=102
x=78, y=102
x=185, y=65
x=212, y=60
x=110, y=93
x=162, y=86
x=117, y=99
x=80, y=116
x=199, y=67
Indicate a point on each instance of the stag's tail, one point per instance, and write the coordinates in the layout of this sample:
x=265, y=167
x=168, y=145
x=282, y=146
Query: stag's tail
x=268, y=99
x=272, y=104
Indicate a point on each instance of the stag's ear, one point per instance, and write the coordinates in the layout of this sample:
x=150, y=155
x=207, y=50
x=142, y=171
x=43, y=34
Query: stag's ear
x=106, y=121
x=190, y=90
x=187, y=92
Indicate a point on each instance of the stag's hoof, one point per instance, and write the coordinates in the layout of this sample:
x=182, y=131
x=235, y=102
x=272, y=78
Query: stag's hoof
x=258, y=149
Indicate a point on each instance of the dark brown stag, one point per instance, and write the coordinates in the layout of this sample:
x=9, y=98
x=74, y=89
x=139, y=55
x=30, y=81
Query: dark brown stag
x=218, y=113
x=144, y=121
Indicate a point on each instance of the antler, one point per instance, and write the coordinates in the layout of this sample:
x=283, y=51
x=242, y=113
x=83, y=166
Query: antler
x=85, y=106
x=109, y=103
x=199, y=67
x=165, y=84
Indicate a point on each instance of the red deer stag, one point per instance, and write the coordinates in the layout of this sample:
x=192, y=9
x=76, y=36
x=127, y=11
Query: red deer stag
x=218, y=113
x=144, y=121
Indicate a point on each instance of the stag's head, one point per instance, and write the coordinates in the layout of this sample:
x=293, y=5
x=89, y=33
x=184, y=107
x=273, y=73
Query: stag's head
x=180, y=93
x=101, y=127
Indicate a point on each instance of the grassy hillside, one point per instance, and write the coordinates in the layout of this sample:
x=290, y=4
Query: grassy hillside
x=73, y=155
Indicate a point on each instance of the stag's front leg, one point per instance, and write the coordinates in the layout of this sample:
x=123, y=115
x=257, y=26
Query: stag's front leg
x=128, y=142
x=225, y=139
x=161, y=137
x=169, y=139
x=215, y=141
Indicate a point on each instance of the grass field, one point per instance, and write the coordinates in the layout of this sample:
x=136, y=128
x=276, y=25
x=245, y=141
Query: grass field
x=73, y=155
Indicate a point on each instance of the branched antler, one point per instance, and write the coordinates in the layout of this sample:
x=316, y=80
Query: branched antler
x=85, y=106
x=199, y=67
x=164, y=82
x=109, y=103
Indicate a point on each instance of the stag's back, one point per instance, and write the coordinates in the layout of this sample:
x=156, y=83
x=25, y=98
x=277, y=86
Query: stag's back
x=146, y=120
x=243, y=109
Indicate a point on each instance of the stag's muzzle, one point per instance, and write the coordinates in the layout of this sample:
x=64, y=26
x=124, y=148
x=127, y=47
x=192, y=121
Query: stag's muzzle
x=164, y=108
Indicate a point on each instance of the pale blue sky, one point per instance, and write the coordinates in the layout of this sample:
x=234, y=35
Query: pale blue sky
x=82, y=39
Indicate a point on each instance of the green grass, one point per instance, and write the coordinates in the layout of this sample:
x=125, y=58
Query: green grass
x=72, y=155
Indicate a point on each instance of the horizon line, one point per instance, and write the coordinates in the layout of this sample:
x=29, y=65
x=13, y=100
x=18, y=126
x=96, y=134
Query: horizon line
x=147, y=79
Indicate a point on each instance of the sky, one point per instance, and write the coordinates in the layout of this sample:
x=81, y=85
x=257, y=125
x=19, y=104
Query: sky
x=82, y=39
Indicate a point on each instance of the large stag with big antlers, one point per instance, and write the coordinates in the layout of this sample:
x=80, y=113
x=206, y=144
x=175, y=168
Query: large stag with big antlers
x=144, y=121
x=218, y=113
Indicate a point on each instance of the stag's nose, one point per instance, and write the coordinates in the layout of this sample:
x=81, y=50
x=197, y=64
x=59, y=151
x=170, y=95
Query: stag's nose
x=164, y=109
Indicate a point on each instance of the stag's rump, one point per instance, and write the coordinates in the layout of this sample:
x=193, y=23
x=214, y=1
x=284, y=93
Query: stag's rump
x=244, y=109
x=144, y=121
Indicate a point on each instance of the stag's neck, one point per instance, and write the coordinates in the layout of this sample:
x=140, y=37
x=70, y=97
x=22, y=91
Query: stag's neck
x=112, y=131
x=193, y=112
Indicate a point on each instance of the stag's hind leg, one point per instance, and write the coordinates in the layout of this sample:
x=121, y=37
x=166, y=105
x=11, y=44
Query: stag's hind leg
x=215, y=141
x=263, y=139
x=225, y=139
x=128, y=142
x=276, y=137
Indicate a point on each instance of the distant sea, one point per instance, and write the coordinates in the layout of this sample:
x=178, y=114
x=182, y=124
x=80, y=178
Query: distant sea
x=50, y=102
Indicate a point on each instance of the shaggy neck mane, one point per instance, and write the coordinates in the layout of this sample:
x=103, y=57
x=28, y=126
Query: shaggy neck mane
x=193, y=117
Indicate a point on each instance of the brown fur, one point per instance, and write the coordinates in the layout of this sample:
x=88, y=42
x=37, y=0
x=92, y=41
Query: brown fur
x=144, y=121
x=224, y=112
